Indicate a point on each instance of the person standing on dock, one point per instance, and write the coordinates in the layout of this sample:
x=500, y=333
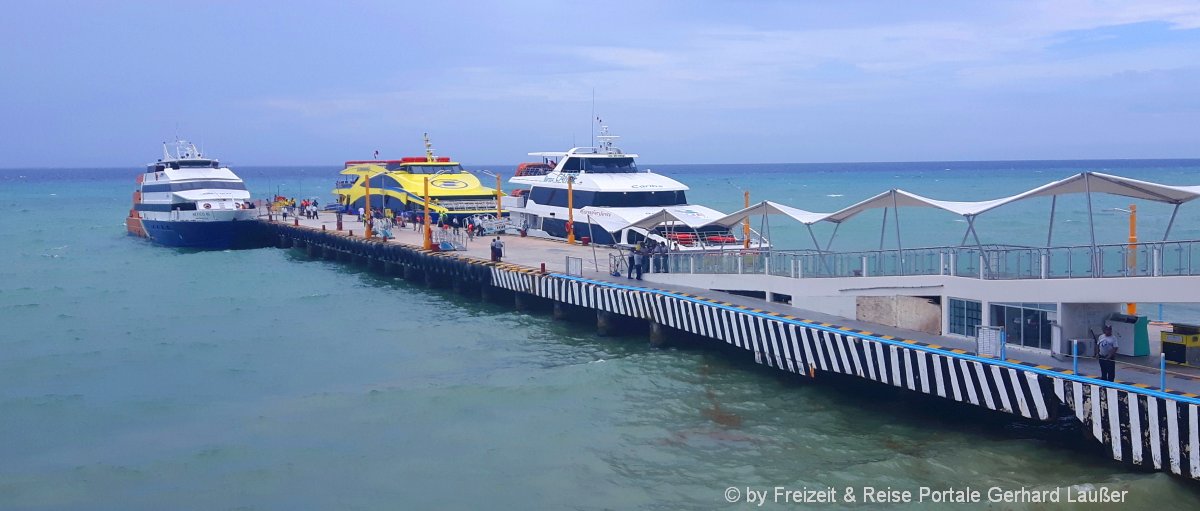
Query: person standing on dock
x=1106, y=351
x=635, y=262
x=661, y=250
x=497, y=249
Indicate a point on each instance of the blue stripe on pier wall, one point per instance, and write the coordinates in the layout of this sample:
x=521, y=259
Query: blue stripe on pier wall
x=1141, y=426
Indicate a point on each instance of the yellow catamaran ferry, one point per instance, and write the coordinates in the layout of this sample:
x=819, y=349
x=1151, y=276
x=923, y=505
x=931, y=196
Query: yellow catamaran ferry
x=399, y=185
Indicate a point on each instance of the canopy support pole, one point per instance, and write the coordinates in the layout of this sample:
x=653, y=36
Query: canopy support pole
x=966, y=233
x=1087, y=186
x=1050, y=230
x=883, y=228
x=899, y=246
x=820, y=254
x=831, y=236
x=1172, y=222
x=987, y=265
x=882, y=231
x=765, y=234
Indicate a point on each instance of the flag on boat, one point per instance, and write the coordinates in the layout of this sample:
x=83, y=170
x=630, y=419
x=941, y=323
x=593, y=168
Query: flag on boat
x=376, y=153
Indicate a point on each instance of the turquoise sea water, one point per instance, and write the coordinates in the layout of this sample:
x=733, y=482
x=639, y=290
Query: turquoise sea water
x=138, y=377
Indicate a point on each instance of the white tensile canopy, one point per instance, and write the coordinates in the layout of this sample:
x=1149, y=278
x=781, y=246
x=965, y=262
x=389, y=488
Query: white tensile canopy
x=1084, y=182
x=765, y=208
x=685, y=215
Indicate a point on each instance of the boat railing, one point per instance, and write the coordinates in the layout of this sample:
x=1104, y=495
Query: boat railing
x=989, y=262
x=447, y=239
x=467, y=205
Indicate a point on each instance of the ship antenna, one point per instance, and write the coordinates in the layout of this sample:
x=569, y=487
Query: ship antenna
x=592, y=133
x=428, y=149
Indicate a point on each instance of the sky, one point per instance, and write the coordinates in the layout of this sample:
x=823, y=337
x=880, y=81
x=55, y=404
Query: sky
x=101, y=84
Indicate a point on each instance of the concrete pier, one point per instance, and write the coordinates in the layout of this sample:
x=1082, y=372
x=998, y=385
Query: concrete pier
x=1132, y=420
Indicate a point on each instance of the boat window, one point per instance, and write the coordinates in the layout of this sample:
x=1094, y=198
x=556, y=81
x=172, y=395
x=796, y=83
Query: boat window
x=193, y=185
x=610, y=165
x=194, y=164
x=179, y=206
x=433, y=169
x=572, y=165
x=640, y=199
x=377, y=182
x=558, y=197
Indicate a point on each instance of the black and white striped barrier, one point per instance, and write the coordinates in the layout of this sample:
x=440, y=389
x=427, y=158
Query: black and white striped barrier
x=1140, y=424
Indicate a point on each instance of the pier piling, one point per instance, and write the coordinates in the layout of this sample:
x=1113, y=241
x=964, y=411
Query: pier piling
x=659, y=334
x=1136, y=424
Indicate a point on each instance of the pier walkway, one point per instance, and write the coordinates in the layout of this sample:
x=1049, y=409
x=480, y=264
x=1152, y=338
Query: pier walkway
x=1135, y=420
x=533, y=252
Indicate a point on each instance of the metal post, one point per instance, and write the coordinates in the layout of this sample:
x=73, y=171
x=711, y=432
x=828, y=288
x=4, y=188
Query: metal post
x=570, y=210
x=1050, y=230
x=692, y=263
x=899, y=246
x=982, y=261
x=739, y=264
x=864, y=266
x=941, y=263
x=367, y=223
x=1162, y=371
x=1087, y=186
x=1075, y=357
x=883, y=229
x=746, y=222
x=820, y=255
x=796, y=262
x=428, y=238
x=1045, y=265
x=1157, y=261
x=1171, y=223
x=499, y=192
x=831, y=236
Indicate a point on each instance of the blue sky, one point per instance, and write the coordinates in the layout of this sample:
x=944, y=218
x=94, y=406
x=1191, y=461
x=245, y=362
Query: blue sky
x=294, y=83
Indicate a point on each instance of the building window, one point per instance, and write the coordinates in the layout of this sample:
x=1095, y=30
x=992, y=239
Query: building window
x=1024, y=324
x=965, y=316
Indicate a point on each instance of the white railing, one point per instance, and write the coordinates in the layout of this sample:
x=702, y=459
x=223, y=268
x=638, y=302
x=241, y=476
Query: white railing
x=991, y=262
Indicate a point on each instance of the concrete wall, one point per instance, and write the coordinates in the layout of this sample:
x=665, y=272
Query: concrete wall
x=909, y=312
x=1077, y=318
x=1109, y=290
x=1083, y=302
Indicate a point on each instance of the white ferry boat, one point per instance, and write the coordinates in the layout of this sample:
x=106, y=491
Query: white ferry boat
x=609, y=194
x=188, y=200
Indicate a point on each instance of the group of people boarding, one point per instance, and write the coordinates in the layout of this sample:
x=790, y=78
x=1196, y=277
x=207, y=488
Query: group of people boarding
x=646, y=256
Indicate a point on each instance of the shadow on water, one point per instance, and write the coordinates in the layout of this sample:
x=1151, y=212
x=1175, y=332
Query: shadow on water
x=1063, y=436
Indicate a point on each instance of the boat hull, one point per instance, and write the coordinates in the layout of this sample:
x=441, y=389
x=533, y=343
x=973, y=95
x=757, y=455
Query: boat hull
x=219, y=235
x=558, y=229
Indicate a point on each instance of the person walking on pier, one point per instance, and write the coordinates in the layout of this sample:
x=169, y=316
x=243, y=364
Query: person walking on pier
x=1106, y=351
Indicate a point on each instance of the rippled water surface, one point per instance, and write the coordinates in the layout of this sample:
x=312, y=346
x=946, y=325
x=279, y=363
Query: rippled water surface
x=138, y=377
